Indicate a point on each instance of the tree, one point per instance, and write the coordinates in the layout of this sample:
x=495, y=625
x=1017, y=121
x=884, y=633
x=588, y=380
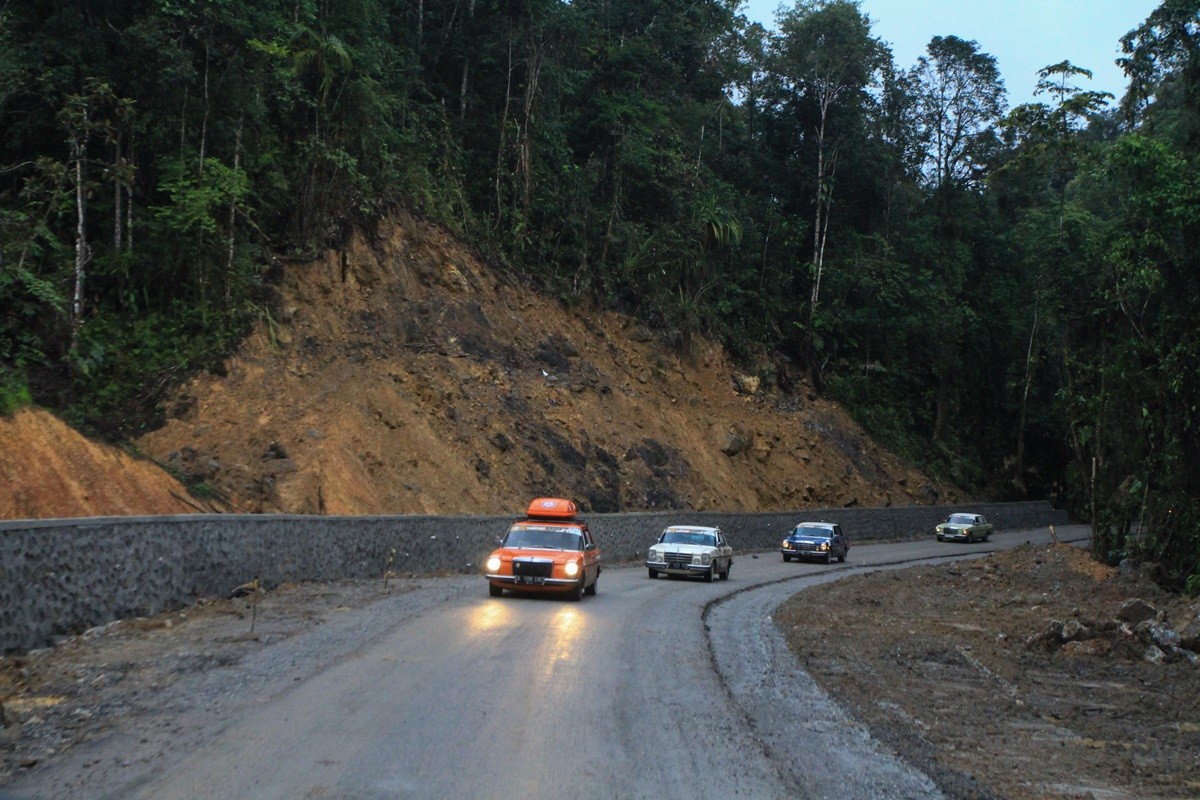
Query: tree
x=826, y=57
x=961, y=98
x=1162, y=63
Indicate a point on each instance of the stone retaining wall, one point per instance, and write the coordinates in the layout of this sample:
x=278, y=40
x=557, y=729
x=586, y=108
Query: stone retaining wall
x=62, y=577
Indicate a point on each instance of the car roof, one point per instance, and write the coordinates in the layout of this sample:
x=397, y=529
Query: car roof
x=691, y=529
x=816, y=525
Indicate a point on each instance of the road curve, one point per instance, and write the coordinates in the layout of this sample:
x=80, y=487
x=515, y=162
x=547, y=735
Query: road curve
x=652, y=688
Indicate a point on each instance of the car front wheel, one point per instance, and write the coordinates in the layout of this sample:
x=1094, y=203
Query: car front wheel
x=711, y=574
x=653, y=573
x=494, y=590
x=786, y=557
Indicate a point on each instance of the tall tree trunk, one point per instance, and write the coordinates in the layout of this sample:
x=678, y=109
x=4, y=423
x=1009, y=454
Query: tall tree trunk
x=117, y=197
x=466, y=68
x=82, y=253
x=504, y=129
x=1019, y=467
x=237, y=163
x=525, y=166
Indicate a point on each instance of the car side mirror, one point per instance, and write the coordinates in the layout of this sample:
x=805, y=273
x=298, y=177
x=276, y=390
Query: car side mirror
x=590, y=546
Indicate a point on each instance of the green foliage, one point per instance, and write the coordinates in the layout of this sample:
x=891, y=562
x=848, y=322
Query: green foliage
x=14, y=392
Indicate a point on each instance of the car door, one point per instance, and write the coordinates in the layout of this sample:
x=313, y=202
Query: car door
x=725, y=550
x=841, y=544
x=591, y=557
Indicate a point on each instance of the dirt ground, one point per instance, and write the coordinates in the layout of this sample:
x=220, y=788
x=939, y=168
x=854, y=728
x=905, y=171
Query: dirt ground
x=961, y=669
x=1014, y=676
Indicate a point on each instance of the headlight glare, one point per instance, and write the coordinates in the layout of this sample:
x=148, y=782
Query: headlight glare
x=493, y=564
x=571, y=568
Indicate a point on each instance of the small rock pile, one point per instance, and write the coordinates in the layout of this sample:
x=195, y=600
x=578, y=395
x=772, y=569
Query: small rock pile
x=1140, y=630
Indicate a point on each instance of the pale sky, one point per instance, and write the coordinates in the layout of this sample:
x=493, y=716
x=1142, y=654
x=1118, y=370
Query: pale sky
x=1023, y=35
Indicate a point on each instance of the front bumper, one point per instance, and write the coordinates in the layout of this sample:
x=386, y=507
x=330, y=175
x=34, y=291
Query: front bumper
x=815, y=554
x=678, y=567
x=953, y=535
x=531, y=582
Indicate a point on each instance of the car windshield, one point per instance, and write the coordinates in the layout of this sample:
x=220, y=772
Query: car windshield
x=544, y=538
x=819, y=533
x=961, y=519
x=688, y=537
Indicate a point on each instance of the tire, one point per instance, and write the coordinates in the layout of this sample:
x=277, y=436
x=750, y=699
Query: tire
x=829, y=558
x=576, y=593
x=725, y=574
x=711, y=574
x=495, y=591
x=941, y=539
x=591, y=590
x=653, y=573
x=786, y=558
x=842, y=558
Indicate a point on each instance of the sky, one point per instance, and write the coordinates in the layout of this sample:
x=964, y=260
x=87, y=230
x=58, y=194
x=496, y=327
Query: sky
x=1023, y=35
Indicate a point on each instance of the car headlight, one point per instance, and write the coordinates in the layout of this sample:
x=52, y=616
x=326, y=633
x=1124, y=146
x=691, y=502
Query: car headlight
x=787, y=544
x=571, y=568
x=493, y=564
x=824, y=546
x=655, y=554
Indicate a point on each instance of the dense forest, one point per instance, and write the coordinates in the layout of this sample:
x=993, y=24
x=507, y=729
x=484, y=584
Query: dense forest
x=1007, y=296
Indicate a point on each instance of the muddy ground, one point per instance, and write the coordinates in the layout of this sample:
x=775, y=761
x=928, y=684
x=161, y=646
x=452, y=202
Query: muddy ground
x=960, y=669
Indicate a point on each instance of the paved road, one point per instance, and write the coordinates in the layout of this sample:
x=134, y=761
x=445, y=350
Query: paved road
x=652, y=688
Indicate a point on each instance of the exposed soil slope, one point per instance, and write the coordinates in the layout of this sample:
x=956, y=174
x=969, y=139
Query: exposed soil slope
x=47, y=469
x=403, y=376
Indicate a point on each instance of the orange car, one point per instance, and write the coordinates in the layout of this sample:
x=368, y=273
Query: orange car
x=550, y=551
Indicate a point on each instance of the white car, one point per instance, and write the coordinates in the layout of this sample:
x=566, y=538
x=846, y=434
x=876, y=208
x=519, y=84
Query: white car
x=690, y=550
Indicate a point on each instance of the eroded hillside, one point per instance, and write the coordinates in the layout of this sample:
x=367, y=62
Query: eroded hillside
x=47, y=469
x=402, y=376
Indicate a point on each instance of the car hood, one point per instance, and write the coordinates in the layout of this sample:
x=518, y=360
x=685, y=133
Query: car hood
x=535, y=554
x=809, y=539
x=686, y=548
x=958, y=525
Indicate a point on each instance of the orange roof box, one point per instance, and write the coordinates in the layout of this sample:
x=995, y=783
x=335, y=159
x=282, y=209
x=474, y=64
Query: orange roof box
x=552, y=508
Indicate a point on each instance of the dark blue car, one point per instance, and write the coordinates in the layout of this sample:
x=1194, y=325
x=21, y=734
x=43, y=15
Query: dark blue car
x=821, y=541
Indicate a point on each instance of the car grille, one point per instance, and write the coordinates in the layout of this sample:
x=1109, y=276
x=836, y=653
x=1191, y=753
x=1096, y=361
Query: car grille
x=807, y=547
x=677, y=558
x=532, y=569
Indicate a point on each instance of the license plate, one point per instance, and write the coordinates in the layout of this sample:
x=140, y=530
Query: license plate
x=676, y=565
x=530, y=579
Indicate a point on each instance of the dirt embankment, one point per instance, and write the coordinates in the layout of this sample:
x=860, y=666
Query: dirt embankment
x=47, y=469
x=1033, y=673
x=399, y=375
